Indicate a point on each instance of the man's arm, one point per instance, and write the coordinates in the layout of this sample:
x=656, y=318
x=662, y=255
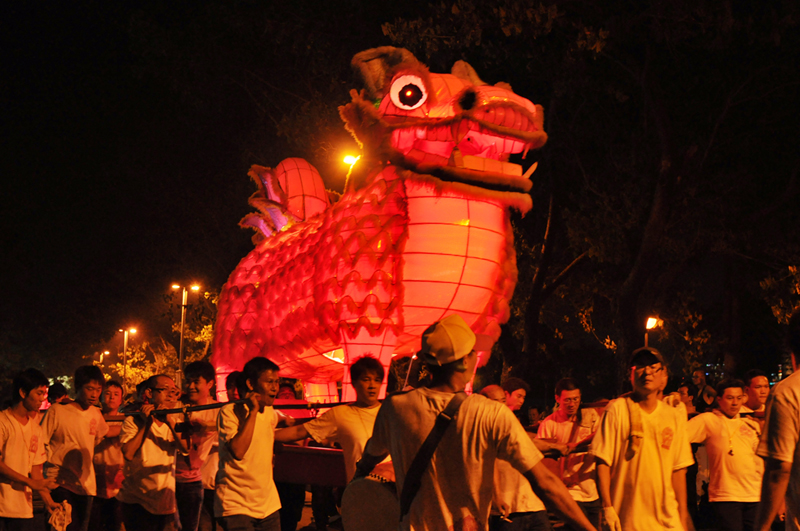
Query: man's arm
x=44, y=487
x=181, y=443
x=132, y=446
x=548, y=487
x=240, y=442
x=295, y=433
x=549, y=448
x=679, y=486
x=773, y=492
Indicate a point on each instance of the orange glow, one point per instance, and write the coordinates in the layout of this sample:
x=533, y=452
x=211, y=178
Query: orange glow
x=176, y=286
x=195, y=287
x=653, y=322
x=350, y=159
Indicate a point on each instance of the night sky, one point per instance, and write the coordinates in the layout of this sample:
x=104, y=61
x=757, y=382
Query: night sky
x=128, y=129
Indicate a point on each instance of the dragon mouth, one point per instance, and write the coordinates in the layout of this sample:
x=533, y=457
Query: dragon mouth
x=472, y=147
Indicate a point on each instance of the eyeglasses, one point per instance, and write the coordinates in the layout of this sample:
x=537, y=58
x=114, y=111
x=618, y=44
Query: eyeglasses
x=650, y=369
x=573, y=400
x=161, y=389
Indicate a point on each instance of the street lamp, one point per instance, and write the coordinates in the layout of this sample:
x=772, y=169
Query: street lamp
x=193, y=287
x=652, y=322
x=125, y=353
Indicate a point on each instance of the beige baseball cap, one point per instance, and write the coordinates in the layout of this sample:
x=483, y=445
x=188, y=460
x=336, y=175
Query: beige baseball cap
x=449, y=340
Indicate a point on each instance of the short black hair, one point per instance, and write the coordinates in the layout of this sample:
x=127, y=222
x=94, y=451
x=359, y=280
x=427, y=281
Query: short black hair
x=198, y=369
x=56, y=391
x=566, y=384
x=27, y=381
x=753, y=373
x=727, y=384
x=691, y=389
x=231, y=381
x=114, y=383
x=88, y=373
x=366, y=364
x=512, y=384
x=254, y=368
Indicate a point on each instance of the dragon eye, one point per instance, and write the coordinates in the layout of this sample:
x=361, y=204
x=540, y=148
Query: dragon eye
x=408, y=92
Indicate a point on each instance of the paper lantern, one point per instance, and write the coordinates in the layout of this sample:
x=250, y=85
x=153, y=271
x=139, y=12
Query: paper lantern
x=421, y=232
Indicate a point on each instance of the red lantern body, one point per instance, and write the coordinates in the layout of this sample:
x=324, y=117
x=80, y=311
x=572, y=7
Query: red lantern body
x=422, y=230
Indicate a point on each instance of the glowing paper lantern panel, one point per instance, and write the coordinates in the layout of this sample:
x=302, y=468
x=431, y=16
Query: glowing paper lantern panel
x=422, y=230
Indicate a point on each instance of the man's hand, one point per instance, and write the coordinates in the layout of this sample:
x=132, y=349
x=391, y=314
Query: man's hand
x=253, y=397
x=45, y=484
x=611, y=520
x=147, y=410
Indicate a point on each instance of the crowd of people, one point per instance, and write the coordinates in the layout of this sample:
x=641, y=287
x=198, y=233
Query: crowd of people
x=454, y=461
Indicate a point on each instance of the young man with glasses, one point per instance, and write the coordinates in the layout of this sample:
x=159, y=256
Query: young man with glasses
x=642, y=452
x=149, y=443
x=575, y=427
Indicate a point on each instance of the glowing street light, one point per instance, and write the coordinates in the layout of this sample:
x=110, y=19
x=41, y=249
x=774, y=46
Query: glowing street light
x=652, y=322
x=124, y=353
x=351, y=159
x=193, y=287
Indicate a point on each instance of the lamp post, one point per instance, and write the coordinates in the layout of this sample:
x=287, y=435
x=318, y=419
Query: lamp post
x=193, y=287
x=652, y=322
x=124, y=353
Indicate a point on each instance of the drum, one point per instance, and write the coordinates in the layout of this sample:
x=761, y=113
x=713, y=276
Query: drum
x=370, y=504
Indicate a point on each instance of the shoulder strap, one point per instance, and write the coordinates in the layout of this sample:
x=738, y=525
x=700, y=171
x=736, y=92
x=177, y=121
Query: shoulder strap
x=413, y=479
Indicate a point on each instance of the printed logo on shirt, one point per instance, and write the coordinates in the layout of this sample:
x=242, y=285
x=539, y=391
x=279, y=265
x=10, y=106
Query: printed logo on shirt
x=34, y=444
x=93, y=427
x=666, y=438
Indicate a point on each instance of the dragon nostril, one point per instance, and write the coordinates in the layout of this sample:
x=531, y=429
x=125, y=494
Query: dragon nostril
x=467, y=100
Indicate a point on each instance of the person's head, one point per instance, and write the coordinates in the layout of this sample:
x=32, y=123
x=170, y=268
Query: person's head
x=231, y=385
x=516, y=390
x=159, y=390
x=286, y=392
x=793, y=338
x=730, y=396
x=699, y=379
x=687, y=391
x=89, y=382
x=261, y=376
x=112, y=396
x=366, y=375
x=568, y=396
x=199, y=381
x=756, y=387
x=30, y=389
x=646, y=365
x=494, y=392
x=57, y=393
x=449, y=350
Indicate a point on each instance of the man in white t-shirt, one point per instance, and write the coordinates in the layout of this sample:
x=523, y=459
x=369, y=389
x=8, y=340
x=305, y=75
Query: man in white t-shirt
x=779, y=445
x=641, y=452
x=108, y=464
x=247, y=498
x=202, y=437
x=349, y=425
x=149, y=443
x=514, y=504
x=455, y=490
x=575, y=427
x=730, y=441
x=22, y=453
x=71, y=432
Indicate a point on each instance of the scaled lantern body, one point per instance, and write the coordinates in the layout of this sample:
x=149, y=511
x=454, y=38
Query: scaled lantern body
x=421, y=231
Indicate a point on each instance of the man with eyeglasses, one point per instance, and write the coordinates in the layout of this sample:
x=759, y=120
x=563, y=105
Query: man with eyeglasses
x=642, y=452
x=149, y=443
x=575, y=427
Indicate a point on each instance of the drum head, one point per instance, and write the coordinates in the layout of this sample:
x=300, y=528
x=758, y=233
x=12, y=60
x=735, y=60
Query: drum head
x=370, y=505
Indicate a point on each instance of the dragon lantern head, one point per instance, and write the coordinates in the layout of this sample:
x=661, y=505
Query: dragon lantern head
x=453, y=127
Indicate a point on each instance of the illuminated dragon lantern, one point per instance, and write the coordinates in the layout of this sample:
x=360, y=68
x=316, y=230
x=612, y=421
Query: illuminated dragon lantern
x=421, y=231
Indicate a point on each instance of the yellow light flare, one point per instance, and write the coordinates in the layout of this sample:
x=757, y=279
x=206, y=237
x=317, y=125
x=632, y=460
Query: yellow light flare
x=653, y=322
x=351, y=159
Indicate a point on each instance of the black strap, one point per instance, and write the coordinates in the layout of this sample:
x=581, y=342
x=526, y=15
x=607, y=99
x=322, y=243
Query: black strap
x=424, y=455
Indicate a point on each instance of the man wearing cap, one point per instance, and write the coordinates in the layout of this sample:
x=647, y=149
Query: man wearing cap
x=455, y=489
x=642, y=452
